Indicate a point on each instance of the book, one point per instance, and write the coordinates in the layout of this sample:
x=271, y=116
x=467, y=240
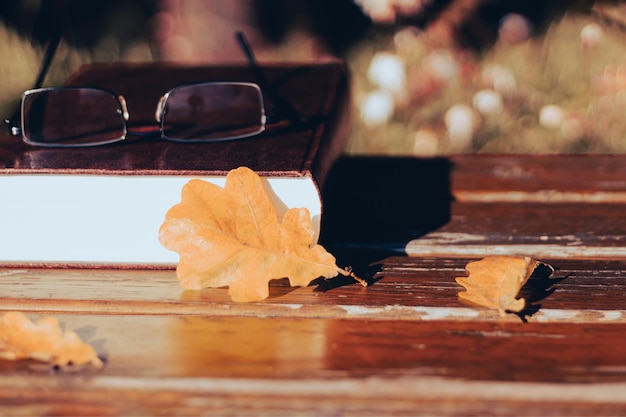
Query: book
x=104, y=205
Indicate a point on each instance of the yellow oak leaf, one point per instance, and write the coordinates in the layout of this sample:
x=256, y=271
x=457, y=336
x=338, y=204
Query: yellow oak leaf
x=232, y=236
x=494, y=282
x=44, y=341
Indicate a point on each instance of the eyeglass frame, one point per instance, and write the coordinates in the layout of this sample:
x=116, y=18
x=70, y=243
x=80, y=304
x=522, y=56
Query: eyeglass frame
x=122, y=111
x=282, y=109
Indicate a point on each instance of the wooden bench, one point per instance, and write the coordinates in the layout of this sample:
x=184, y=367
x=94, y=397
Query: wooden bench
x=405, y=345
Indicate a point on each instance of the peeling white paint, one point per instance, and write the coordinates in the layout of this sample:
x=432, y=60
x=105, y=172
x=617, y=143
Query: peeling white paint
x=440, y=313
x=556, y=314
x=13, y=272
x=540, y=196
x=451, y=237
x=424, y=313
x=361, y=310
x=612, y=315
x=433, y=313
x=468, y=245
x=293, y=306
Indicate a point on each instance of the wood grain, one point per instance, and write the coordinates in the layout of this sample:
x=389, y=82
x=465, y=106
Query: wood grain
x=280, y=358
x=403, y=288
x=560, y=173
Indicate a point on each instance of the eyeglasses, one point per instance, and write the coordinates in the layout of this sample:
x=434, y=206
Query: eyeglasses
x=86, y=116
x=89, y=116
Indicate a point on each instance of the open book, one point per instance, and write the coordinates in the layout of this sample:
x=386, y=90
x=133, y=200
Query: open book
x=104, y=205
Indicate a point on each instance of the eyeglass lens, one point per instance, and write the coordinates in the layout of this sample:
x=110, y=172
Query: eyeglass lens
x=71, y=117
x=213, y=111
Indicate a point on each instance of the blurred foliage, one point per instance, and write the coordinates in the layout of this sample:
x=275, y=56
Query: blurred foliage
x=549, y=67
x=567, y=89
x=91, y=31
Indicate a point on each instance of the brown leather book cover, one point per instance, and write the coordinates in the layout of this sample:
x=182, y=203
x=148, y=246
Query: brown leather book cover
x=316, y=92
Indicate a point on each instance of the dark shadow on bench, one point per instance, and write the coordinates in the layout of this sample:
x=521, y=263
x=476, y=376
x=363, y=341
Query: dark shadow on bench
x=373, y=206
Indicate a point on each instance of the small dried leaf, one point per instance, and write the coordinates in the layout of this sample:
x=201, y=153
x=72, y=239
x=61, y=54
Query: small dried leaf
x=495, y=282
x=44, y=341
x=232, y=236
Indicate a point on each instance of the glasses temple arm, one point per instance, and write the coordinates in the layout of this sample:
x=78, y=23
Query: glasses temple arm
x=279, y=103
x=47, y=59
x=13, y=121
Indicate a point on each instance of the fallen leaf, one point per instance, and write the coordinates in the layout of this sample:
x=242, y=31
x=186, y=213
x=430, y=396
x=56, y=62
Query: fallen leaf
x=495, y=282
x=232, y=236
x=44, y=341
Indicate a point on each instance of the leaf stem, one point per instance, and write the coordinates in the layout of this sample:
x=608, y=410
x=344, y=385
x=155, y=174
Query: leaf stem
x=349, y=273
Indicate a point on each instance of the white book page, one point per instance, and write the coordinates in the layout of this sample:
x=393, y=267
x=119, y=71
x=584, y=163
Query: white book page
x=107, y=219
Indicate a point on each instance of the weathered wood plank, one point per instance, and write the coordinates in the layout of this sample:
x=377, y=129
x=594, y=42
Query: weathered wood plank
x=330, y=366
x=403, y=288
x=585, y=174
x=556, y=230
x=399, y=396
x=294, y=348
